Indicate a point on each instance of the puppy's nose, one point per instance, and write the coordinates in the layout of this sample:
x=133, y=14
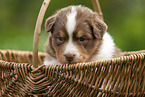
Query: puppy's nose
x=69, y=57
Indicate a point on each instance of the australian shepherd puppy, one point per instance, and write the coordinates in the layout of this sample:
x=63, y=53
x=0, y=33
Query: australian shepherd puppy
x=78, y=35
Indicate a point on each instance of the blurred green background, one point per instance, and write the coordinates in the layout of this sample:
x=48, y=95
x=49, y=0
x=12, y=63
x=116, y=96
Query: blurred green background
x=125, y=20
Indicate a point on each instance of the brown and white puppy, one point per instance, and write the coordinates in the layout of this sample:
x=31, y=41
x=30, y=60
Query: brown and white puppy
x=78, y=35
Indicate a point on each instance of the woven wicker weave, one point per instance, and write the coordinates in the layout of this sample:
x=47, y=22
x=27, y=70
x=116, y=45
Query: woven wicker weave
x=118, y=77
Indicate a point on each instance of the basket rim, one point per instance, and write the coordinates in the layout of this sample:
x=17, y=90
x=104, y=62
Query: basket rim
x=131, y=56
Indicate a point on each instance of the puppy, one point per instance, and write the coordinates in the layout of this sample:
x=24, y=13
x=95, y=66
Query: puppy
x=78, y=35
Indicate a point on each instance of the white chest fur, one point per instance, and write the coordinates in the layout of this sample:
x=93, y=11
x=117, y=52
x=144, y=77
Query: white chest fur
x=106, y=50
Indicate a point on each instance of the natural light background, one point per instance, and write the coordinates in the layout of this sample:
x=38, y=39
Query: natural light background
x=125, y=20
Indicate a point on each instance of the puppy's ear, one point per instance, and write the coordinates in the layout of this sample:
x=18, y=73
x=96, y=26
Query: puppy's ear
x=49, y=24
x=98, y=27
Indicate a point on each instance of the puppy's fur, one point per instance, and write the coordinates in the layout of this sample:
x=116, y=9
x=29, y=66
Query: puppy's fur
x=78, y=35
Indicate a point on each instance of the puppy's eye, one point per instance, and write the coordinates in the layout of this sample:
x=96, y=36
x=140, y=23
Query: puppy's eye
x=60, y=39
x=82, y=39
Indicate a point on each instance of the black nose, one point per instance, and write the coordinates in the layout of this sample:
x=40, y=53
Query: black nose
x=69, y=57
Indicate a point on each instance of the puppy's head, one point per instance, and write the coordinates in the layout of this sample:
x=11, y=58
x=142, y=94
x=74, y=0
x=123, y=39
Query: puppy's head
x=76, y=34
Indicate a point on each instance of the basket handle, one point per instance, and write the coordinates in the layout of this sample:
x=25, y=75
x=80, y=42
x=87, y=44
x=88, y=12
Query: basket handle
x=37, y=30
x=97, y=8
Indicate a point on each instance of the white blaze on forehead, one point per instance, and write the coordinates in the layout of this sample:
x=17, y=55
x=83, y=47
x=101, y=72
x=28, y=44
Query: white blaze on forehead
x=70, y=27
x=71, y=20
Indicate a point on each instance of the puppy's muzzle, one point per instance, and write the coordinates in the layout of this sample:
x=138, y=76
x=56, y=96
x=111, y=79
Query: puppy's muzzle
x=69, y=57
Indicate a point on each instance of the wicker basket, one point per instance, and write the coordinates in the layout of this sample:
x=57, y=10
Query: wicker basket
x=118, y=77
